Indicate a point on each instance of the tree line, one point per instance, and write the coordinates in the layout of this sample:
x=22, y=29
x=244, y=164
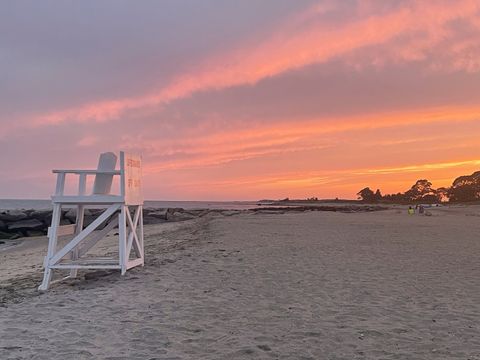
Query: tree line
x=465, y=188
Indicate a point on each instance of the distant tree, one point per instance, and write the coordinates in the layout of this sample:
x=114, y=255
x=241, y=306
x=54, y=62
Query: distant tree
x=366, y=194
x=421, y=191
x=443, y=194
x=465, y=188
x=396, y=198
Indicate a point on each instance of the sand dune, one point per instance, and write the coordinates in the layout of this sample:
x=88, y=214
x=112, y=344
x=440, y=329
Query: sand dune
x=315, y=285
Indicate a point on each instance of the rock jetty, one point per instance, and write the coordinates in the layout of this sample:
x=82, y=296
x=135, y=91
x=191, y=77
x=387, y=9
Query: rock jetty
x=15, y=224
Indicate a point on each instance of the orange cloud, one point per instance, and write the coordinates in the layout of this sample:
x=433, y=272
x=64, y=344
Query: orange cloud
x=420, y=167
x=294, y=135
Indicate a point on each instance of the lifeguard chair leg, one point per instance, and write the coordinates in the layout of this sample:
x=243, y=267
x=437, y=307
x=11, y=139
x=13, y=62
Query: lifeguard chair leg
x=78, y=230
x=122, y=239
x=140, y=225
x=52, y=246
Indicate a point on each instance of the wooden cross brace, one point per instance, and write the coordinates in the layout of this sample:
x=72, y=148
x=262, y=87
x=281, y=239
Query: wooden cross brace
x=77, y=240
x=132, y=236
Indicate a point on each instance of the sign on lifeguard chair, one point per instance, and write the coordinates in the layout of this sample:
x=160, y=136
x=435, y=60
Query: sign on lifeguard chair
x=73, y=255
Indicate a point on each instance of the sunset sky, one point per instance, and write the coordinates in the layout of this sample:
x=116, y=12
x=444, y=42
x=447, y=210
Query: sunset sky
x=239, y=100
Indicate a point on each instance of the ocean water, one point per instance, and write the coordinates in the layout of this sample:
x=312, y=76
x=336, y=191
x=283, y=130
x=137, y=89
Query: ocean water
x=11, y=204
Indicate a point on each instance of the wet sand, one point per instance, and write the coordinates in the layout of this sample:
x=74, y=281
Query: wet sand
x=313, y=285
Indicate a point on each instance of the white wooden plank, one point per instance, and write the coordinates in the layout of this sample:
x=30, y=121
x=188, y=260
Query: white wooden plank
x=136, y=242
x=87, y=172
x=140, y=225
x=90, y=199
x=59, y=280
x=129, y=244
x=132, y=227
x=103, y=182
x=52, y=246
x=122, y=239
x=82, y=184
x=60, y=184
x=135, y=262
x=79, y=219
x=63, y=230
x=89, y=261
x=86, y=267
x=132, y=178
x=82, y=188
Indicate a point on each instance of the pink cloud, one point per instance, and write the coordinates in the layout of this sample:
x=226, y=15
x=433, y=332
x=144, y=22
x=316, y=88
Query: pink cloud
x=418, y=25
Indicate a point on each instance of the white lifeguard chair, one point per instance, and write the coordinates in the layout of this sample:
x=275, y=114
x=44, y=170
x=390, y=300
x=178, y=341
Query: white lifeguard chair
x=117, y=213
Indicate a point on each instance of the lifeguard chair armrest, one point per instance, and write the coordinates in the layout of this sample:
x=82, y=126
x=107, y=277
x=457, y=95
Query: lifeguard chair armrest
x=88, y=199
x=115, y=172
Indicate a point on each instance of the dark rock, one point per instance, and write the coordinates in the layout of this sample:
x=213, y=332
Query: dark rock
x=12, y=215
x=230, y=212
x=174, y=210
x=71, y=214
x=203, y=213
x=44, y=216
x=180, y=216
x=267, y=211
x=160, y=214
x=149, y=220
x=5, y=235
x=29, y=224
x=264, y=347
x=90, y=215
x=94, y=212
x=3, y=226
x=197, y=212
x=87, y=220
x=34, y=233
x=63, y=222
x=147, y=211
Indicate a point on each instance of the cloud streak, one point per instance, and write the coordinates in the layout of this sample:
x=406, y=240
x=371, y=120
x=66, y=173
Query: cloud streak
x=417, y=27
x=236, y=144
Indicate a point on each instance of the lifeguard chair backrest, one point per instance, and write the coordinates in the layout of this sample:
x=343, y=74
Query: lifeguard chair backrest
x=103, y=182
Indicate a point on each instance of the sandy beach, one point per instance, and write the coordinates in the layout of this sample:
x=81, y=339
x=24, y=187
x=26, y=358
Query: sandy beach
x=313, y=285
